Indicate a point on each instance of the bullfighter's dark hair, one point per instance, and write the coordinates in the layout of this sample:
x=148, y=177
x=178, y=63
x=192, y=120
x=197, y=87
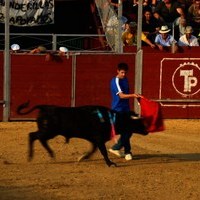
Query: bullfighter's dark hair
x=122, y=66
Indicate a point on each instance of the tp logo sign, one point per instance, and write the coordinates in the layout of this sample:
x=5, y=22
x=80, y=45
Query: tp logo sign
x=186, y=79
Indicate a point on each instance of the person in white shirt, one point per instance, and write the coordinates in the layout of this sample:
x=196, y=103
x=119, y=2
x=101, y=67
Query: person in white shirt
x=188, y=39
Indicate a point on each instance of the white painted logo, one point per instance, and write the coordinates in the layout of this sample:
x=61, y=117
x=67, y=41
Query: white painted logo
x=189, y=80
x=186, y=78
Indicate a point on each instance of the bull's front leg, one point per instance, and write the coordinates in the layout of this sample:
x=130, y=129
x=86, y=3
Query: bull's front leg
x=41, y=137
x=104, y=152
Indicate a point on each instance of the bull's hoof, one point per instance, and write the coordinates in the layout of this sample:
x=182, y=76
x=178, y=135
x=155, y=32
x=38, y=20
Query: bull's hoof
x=67, y=140
x=30, y=158
x=83, y=157
x=52, y=155
x=112, y=164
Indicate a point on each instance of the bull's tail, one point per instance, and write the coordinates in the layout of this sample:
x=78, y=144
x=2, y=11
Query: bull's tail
x=26, y=105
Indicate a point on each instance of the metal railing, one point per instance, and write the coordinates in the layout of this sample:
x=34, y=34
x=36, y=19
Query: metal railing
x=73, y=42
x=111, y=22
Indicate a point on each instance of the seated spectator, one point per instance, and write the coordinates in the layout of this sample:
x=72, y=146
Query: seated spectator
x=167, y=12
x=194, y=16
x=129, y=38
x=126, y=27
x=150, y=25
x=146, y=5
x=39, y=49
x=185, y=4
x=180, y=27
x=188, y=39
x=165, y=41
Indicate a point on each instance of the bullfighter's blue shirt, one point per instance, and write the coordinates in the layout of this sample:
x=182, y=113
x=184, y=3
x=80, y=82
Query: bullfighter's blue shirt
x=119, y=85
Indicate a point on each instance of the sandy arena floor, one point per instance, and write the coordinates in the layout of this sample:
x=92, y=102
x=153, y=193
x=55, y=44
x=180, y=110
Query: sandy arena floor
x=166, y=166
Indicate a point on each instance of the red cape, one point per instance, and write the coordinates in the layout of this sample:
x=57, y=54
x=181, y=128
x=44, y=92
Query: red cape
x=151, y=112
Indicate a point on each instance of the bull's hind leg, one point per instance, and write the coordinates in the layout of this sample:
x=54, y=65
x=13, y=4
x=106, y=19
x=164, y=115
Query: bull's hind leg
x=104, y=152
x=32, y=137
x=87, y=154
x=46, y=146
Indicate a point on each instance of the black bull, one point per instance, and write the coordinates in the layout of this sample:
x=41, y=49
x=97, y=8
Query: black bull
x=92, y=123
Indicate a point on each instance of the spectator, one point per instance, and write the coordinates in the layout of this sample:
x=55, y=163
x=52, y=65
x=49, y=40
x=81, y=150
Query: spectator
x=56, y=55
x=164, y=40
x=129, y=38
x=147, y=5
x=188, y=39
x=63, y=51
x=39, y=49
x=167, y=12
x=150, y=25
x=15, y=48
x=180, y=27
x=126, y=27
x=185, y=4
x=194, y=16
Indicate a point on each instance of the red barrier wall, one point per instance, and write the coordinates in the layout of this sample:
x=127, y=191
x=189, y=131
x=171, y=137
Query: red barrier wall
x=94, y=73
x=166, y=76
x=40, y=81
x=50, y=82
x=172, y=73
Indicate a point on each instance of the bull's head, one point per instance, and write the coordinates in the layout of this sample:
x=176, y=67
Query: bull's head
x=130, y=122
x=138, y=125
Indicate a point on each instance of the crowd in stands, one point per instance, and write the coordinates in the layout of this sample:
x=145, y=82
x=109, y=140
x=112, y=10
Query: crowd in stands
x=165, y=22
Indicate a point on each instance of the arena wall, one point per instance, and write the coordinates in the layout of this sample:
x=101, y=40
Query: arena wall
x=83, y=78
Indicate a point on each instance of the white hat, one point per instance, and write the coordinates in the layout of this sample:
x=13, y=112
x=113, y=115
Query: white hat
x=15, y=47
x=63, y=49
x=188, y=29
x=164, y=29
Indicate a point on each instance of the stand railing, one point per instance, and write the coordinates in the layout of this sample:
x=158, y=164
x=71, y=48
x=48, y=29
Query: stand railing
x=111, y=22
x=73, y=42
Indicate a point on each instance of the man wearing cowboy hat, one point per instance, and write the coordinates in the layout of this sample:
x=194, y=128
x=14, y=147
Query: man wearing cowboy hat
x=188, y=39
x=164, y=40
